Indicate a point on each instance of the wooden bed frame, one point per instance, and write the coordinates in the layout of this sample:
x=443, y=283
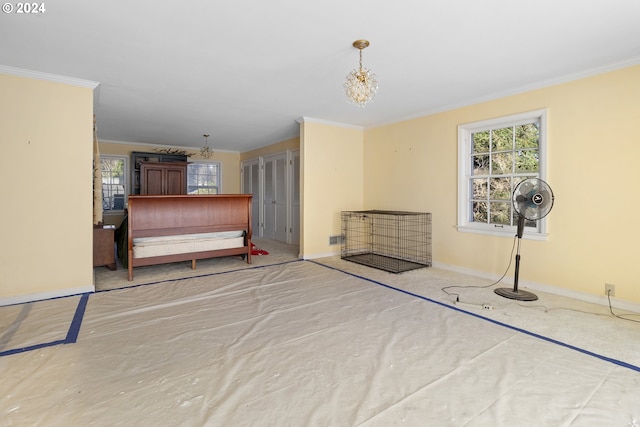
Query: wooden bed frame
x=155, y=215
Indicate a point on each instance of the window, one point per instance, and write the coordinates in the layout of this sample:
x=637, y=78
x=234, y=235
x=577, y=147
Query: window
x=494, y=156
x=114, y=185
x=203, y=178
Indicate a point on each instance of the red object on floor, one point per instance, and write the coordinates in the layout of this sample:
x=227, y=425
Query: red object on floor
x=257, y=251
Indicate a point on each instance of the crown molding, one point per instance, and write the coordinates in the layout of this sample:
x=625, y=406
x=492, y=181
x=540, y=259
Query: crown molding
x=306, y=119
x=21, y=72
x=541, y=84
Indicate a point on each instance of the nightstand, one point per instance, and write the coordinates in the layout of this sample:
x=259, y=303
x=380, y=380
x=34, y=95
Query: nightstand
x=104, y=247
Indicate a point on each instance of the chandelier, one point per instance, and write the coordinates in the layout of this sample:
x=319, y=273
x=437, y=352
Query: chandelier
x=205, y=151
x=361, y=84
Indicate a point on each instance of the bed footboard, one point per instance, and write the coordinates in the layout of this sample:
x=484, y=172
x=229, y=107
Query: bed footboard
x=177, y=215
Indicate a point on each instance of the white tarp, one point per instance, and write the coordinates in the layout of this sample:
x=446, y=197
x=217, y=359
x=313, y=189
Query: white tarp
x=301, y=344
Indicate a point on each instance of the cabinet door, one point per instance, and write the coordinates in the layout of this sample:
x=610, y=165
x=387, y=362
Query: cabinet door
x=163, y=178
x=175, y=182
x=152, y=180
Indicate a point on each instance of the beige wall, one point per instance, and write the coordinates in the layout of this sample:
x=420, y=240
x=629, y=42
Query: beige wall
x=46, y=167
x=332, y=169
x=593, y=152
x=289, y=144
x=593, y=148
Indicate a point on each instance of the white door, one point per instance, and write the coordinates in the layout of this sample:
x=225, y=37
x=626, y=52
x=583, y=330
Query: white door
x=275, y=197
x=251, y=185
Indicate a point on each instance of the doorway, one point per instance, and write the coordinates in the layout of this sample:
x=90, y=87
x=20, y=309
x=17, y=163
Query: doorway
x=274, y=181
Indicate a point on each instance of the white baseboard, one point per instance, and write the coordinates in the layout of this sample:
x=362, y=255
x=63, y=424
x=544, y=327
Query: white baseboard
x=21, y=299
x=550, y=289
x=325, y=255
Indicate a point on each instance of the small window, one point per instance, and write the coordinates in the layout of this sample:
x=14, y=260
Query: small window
x=494, y=157
x=114, y=185
x=203, y=178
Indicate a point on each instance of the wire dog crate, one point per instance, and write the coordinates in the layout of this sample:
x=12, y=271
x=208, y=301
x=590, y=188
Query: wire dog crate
x=393, y=241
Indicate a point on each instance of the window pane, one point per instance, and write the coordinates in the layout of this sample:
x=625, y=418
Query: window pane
x=480, y=212
x=481, y=142
x=527, y=161
x=527, y=136
x=502, y=139
x=501, y=163
x=202, y=178
x=480, y=165
x=113, y=183
x=480, y=189
x=500, y=189
x=501, y=213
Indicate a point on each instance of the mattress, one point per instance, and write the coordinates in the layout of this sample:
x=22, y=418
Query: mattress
x=145, y=247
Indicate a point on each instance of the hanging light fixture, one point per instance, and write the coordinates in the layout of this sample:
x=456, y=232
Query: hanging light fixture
x=361, y=84
x=205, y=151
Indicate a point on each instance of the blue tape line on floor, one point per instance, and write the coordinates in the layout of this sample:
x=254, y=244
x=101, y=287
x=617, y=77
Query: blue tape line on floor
x=514, y=328
x=74, y=329
x=72, y=333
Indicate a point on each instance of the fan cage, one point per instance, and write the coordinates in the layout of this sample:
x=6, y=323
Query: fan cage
x=394, y=241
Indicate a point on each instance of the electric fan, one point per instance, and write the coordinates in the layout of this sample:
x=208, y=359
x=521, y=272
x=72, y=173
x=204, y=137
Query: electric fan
x=532, y=200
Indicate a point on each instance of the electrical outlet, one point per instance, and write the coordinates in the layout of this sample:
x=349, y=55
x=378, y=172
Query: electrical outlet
x=610, y=289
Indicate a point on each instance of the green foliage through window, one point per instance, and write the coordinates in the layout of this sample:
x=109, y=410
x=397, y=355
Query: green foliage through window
x=500, y=158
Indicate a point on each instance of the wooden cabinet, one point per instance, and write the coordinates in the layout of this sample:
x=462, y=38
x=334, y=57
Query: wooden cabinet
x=163, y=178
x=139, y=157
x=104, y=247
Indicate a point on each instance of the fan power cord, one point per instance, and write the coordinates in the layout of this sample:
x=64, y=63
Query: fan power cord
x=444, y=289
x=620, y=316
x=484, y=306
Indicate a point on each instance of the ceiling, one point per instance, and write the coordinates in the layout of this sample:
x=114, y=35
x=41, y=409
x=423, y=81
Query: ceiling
x=245, y=71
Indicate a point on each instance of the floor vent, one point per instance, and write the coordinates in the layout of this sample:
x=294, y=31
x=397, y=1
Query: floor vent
x=335, y=240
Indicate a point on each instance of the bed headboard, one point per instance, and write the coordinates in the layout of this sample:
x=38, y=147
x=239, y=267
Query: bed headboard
x=158, y=215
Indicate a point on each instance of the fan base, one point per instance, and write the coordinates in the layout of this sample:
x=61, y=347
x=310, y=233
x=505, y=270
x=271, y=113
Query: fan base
x=517, y=295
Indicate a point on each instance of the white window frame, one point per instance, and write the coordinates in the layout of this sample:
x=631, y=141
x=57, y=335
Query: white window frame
x=219, y=173
x=126, y=178
x=465, y=132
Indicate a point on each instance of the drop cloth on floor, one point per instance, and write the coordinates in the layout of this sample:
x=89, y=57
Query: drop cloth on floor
x=300, y=344
x=36, y=323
